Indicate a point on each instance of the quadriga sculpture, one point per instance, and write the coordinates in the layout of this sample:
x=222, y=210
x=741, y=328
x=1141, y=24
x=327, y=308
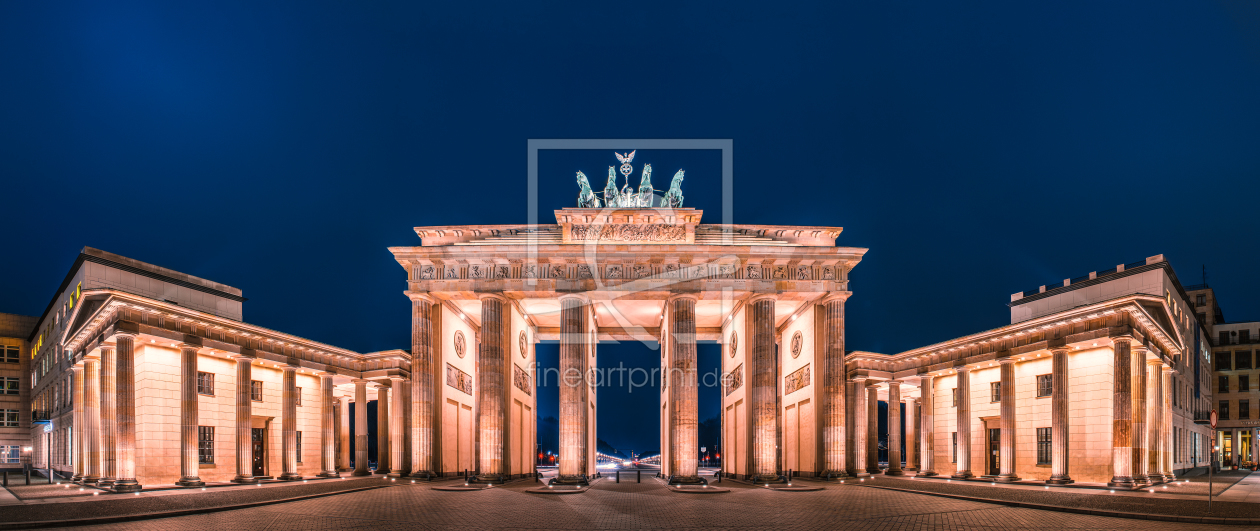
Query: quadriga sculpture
x=674, y=197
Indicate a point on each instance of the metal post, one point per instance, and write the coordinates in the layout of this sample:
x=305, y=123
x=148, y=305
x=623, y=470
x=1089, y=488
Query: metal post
x=618, y=475
x=639, y=479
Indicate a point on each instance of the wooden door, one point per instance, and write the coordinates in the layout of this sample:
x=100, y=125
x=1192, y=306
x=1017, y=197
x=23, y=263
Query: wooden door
x=793, y=452
x=995, y=449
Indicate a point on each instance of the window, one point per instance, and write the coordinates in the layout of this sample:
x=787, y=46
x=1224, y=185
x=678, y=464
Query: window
x=1222, y=384
x=954, y=458
x=955, y=397
x=1244, y=337
x=1200, y=300
x=995, y=390
x=11, y=418
x=1222, y=412
x=1043, y=446
x=205, y=445
x=1223, y=360
x=1244, y=409
x=1224, y=337
x=255, y=390
x=299, y=404
x=299, y=447
x=1244, y=383
x=11, y=355
x=1242, y=360
x=205, y=383
x=12, y=386
x=10, y=455
x=1045, y=385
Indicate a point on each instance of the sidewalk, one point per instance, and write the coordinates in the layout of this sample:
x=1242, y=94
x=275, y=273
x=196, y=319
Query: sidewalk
x=1230, y=507
x=77, y=505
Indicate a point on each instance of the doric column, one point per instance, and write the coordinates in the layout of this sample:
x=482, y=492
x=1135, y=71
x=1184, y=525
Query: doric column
x=1140, y=434
x=912, y=434
x=763, y=389
x=491, y=385
x=1122, y=416
x=894, y=429
x=109, y=415
x=963, y=424
x=423, y=390
x=573, y=436
x=360, y=429
x=383, y=416
x=91, y=433
x=343, y=433
x=834, y=379
x=855, y=461
x=1059, y=432
x=327, y=425
x=1006, y=449
x=288, y=423
x=927, y=430
x=244, y=420
x=684, y=413
x=1154, y=420
x=126, y=411
x=397, y=412
x=189, y=464
x=76, y=415
x=872, y=429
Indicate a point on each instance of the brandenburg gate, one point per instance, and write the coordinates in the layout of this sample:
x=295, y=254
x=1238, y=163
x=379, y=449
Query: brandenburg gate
x=632, y=266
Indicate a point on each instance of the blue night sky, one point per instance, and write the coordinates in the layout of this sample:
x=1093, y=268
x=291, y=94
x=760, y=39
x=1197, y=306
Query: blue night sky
x=976, y=150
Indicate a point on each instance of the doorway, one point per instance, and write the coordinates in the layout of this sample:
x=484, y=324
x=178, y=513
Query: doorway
x=260, y=450
x=995, y=449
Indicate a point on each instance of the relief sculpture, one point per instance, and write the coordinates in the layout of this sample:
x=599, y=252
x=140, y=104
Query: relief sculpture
x=629, y=233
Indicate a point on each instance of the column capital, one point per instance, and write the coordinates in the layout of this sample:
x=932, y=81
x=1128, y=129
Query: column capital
x=420, y=296
x=1007, y=360
x=675, y=295
x=76, y=368
x=962, y=369
x=1126, y=339
x=495, y=296
x=1155, y=361
x=125, y=333
x=289, y=367
x=1169, y=370
x=760, y=297
x=859, y=379
x=582, y=299
x=835, y=296
x=1058, y=349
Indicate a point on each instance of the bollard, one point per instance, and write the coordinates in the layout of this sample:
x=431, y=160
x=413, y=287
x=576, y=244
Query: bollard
x=639, y=479
x=28, y=476
x=618, y=475
x=6, y=478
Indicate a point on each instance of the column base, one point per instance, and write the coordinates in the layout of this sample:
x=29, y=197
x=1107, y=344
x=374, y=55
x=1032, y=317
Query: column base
x=290, y=476
x=897, y=472
x=76, y=478
x=911, y=469
x=767, y=478
x=834, y=475
x=1064, y=480
x=963, y=475
x=90, y=480
x=191, y=482
x=1121, y=482
x=105, y=482
x=1006, y=479
x=925, y=474
x=423, y=474
x=488, y=479
x=686, y=480
x=358, y=472
x=127, y=485
x=328, y=475
x=569, y=480
x=244, y=479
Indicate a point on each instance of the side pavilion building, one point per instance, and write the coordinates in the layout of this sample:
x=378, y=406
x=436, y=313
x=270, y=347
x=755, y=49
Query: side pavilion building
x=1101, y=379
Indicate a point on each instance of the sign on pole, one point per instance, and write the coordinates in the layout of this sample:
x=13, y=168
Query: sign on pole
x=1213, y=418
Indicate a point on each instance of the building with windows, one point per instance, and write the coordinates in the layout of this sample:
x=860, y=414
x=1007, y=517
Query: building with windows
x=1235, y=380
x=140, y=375
x=1103, y=378
x=15, y=416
